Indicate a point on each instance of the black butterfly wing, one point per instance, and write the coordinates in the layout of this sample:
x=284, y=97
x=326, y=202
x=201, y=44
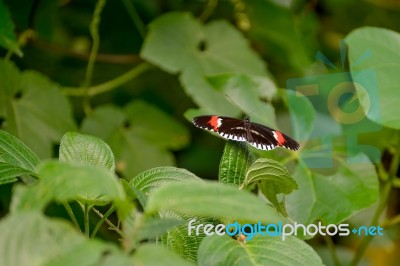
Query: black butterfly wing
x=259, y=136
x=206, y=122
x=232, y=128
x=265, y=138
x=226, y=127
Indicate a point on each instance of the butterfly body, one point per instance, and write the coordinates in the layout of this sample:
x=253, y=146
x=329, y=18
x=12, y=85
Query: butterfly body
x=257, y=135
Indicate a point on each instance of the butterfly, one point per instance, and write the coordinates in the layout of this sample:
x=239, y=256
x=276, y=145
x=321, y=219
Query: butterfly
x=257, y=135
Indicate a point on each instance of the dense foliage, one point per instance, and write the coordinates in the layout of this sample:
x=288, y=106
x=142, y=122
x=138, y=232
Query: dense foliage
x=99, y=163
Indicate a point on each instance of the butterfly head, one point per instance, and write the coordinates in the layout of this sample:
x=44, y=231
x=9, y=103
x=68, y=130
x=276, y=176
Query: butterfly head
x=246, y=119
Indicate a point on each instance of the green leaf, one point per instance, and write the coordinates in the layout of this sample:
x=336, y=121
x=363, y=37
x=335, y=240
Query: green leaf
x=157, y=177
x=234, y=163
x=140, y=135
x=177, y=42
x=63, y=182
x=151, y=254
x=176, y=238
x=155, y=227
x=223, y=250
x=170, y=229
x=15, y=152
x=104, y=122
x=146, y=182
x=38, y=238
x=273, y=179
x=91, y=253
x=8, y=40
x=374, y=65
x=155, y=126
x=209, y=199
x=280, y=36
x=134, y=193
x=335, y=197
x=302, y=114
x=8, y=173
x=86, y=150
x=205, y=96
x=34, y=109
x=272, y=172
x=246, y=92
x=44, y=241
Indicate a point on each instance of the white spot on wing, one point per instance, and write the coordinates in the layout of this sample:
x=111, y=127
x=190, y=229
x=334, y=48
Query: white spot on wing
x=219, y=122
x=275, y=135
x=262, y=146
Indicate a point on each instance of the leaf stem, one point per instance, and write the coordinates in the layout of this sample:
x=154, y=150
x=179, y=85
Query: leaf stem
x=387, y=185
x=86, y=219
x=71, y=215
x=104, y=219
x=390, y=222
x=8, y=55
x=130, y=8
x=396, y=183
x=332, y=250
x=292, y=156
x=211, y=4
x=94, y=32
x=109, y=85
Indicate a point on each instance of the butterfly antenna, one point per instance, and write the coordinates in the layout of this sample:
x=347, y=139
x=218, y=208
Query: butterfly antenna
x=241, y=109
x=232, y=101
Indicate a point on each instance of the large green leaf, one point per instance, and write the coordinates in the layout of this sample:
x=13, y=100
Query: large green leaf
x=273, y=28
x=273, y=179
x=302, y=115
x=176, y=238
x=151, y=254
x=335, y=197
x=140, y=135
x=157, y=177
x=246, y=92
x=9, y=173
x=34, y=109
x=234, y=163
x=63, y=182
x=155, y=126
x=156, y=227
x=223, y=250
x=379, y=98
x=8, y=40
x=209, y=199
x=144, y=183
x=15, y=152
x=16, y=159
x=86, y=150
x=91, y=253
x=179, y=43
x=272, y=172
x=29, y=238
